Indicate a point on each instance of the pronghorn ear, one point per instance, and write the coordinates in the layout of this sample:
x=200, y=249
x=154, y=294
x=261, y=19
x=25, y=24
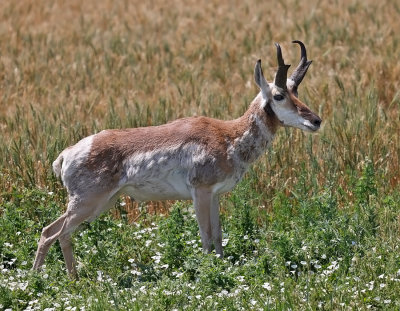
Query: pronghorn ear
x=260, y=80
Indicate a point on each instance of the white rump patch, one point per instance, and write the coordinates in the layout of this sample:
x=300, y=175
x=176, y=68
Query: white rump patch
x=75, y=157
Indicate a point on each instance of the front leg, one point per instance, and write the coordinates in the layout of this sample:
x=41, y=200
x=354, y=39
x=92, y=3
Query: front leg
x=216, y=226
x=202, y=200
x=206, y=205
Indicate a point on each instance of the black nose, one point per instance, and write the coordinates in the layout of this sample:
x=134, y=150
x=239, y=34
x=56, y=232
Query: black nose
x=316, y=122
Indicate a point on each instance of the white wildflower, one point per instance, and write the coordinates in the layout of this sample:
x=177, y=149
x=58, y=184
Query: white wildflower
x=267, y=286
x=156, y=258
x=23, y=285
x=99, y=276
x=240, y=278
x=370, y=285
x=135, y=272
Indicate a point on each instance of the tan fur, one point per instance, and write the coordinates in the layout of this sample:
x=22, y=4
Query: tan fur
x=303, y=110
x=111, y=147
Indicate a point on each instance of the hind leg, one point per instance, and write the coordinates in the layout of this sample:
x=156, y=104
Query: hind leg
x=66, y=243
x=62, y=229
x=66, y=247
x=77, y=212
x=49, y=234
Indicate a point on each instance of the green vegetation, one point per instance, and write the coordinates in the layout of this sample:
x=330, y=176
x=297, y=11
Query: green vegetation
x=315, y=224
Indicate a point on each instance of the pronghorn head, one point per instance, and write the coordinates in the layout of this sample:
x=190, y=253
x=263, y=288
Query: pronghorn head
x=281, y=96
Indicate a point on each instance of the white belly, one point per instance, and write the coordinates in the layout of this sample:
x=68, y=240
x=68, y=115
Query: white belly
x=164, y=175
x=170, y=186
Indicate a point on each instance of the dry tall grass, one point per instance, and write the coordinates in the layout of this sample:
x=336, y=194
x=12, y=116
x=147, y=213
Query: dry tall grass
x=71, y=68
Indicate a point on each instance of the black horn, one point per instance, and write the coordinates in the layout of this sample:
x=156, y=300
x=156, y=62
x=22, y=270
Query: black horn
x=301, y=70
x=281, y=74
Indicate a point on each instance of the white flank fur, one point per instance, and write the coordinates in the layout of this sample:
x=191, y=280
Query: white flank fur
x=161, y=174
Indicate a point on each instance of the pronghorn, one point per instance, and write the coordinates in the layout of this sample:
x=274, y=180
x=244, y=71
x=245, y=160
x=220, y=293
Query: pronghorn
x=196, y=158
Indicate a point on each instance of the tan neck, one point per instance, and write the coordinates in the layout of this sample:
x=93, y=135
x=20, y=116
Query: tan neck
x=257, y=130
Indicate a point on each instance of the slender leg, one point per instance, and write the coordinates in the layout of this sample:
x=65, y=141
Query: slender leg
x=62, y=229
x=66, y=246
x=202, y=198
x=216, y=226
x=48, y=237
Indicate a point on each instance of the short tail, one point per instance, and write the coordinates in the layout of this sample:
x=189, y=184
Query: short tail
x=57, y=164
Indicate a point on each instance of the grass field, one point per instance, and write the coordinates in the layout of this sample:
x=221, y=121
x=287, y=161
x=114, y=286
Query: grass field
x=315, y=224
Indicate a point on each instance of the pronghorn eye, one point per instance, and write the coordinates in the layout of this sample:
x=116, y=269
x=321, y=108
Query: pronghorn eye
x=279, y=97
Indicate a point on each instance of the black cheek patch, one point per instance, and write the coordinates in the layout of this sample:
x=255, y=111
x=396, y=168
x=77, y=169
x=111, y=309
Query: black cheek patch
x=268, y=110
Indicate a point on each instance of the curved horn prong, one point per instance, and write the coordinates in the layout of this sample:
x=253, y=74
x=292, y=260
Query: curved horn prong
x=301, y=70
x=281, y=74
